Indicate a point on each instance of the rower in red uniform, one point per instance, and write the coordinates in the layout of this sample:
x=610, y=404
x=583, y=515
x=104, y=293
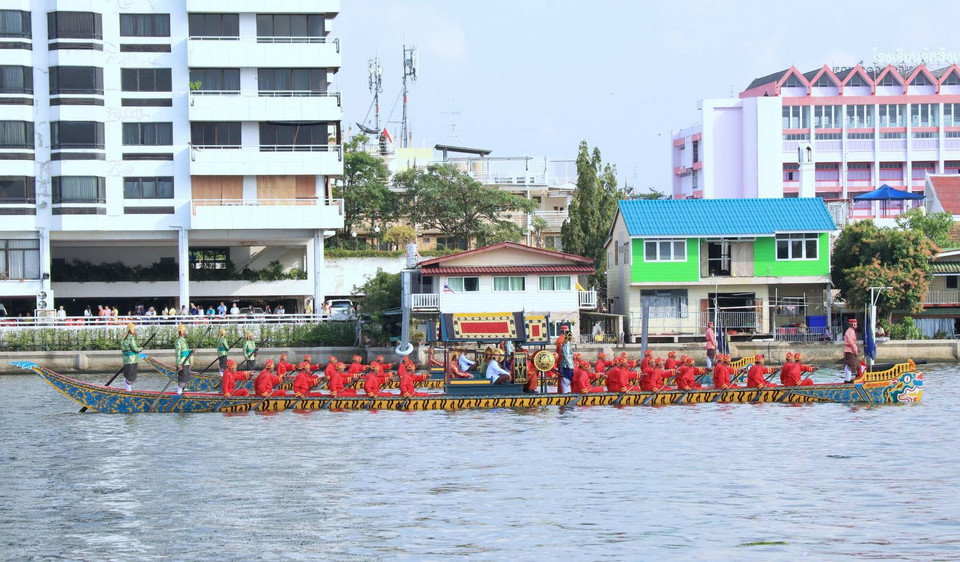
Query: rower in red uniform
x=304, y=381
x=654, y=381
x=687, y=375
x=722, y=372
x=375, y=380
x=409, y=379
x=267, y=381
x=616, y=376
x=601, y=364
x=671, y=362
x=331, y=367
x=338, y=381
x=756, y=376
x=230, y=378
x=357, y=367
x=313, y=366
x=647, y=358
x=283, y=367
x=792, y=371
x=385, y=367
x=581, y=383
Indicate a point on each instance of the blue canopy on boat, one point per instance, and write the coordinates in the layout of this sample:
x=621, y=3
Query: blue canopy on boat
x=887, y=193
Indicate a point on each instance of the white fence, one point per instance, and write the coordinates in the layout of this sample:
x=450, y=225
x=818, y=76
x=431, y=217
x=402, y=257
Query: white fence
x=79, y=322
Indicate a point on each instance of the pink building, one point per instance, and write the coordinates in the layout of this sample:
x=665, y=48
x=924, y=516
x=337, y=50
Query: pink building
x=824, y=133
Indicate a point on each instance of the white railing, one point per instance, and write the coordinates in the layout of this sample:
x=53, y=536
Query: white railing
x=696, y=322
x=292, y=202
x=425, y=301
x=78, y=322
x=588, y=299
x=948, y=296
x=271, y=148
x=253, y=39
x=268, y=94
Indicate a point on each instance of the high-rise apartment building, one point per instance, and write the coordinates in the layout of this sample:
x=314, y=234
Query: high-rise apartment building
x=830, y=133
x=165, y=151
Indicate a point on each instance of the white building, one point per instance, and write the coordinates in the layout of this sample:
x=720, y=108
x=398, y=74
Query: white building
x=177, y=137
x=506, y=277
x=830, y=133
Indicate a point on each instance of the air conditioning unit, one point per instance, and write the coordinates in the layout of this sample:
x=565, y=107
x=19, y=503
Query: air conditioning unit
x=45, y=300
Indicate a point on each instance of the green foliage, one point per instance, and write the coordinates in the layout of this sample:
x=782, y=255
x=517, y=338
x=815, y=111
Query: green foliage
x=443, y=198
x=934, y=226
x=112, y=272
x=652, y=194
x=364, y=188
x=592, y=209
x=905, y=330
x=372, y=253
x=866, y=255
x=400, y=236
x=380, y=292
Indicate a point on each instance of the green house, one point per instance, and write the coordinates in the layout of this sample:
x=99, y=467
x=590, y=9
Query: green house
x=759, y=266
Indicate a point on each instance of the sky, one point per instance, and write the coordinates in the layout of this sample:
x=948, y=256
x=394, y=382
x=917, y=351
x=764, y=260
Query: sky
x=537, y=77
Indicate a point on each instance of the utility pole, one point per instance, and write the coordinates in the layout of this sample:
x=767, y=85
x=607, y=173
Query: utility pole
x=410, y=64
x=375, y=81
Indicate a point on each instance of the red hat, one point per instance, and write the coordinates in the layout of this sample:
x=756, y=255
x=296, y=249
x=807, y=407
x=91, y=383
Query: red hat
x=671, y=354
x=648, y=353
x=332, y=359
x=306, y=357
x=658, y=361
x=601, y=355
x=341, y=366
x=357, y=358
x=852, y=321
x=564, y=328
x=283, y=355
x=268, y=364
x=303, y=366
x=798, y=356
x=757, y=358
x=710, y=324
x=688, y=360
x=789, y=355
x=380, y=358
x=231, y=364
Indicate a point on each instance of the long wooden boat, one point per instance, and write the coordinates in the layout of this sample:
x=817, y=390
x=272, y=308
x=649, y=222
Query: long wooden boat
x=211, y=382
x=901, y=384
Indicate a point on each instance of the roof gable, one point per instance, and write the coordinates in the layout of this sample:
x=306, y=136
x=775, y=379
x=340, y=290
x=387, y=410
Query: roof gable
x=947, y=191
x=724, y=217
x=506, y=254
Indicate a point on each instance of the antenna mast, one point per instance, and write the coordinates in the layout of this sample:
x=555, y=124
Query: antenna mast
x=409, y=71
x=375, y=81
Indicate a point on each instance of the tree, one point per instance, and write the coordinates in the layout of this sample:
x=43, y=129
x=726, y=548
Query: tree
x=934, y=226
x=380, y=292
x=653, y=194
x=866, y=255
x=400, y=235
x=364, y=187
x=592, y=209
x=444, y=198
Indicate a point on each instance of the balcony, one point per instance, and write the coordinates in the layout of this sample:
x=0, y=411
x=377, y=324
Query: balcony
x=425, y=302
x=554, y=219
x=304, y=160
x=264, y=52
x=257, y=6
x=289, y=105
x=828, y=145
x=588, y=300
x=229, y=214
x=943, y=297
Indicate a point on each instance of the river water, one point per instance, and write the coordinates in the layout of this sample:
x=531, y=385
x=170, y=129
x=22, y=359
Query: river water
x=708, y=482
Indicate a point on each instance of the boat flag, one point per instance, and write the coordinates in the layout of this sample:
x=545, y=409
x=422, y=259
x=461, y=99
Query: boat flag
x=447, y=289
x=869, y=345
x=386, y=134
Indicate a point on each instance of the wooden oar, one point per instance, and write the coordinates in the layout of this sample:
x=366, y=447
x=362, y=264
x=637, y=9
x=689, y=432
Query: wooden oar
x=733, y=380
x=218, y=357
x=109, y=382
x=687, y=391
x=648, y=399
x=760, y=390
x=159, y=396
x=792, y=389
x=264, y=401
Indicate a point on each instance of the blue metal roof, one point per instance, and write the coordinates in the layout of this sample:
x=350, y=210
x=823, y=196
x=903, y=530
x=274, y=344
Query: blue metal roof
x=725, y=217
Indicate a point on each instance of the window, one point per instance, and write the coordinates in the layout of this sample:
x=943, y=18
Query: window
x=553, y=242
x=19, y=259
x=215, y=134
x=952, y=79
x=791, y=172
x=827, y=171
x=857, y=81
x=290, y=25
x=859, y=116
x=828, y=116
x=148, y=134
x=665, y=250
x=16, y=79
x=892, y=115
x=796, y=117
x=14, y=23
x=17, y=189
x=76, y=134
x=76, y=80
x=554, y=282
x=665, y=304
x=74, y=25
x=513, y=283
x=216, y=79
x=798, y=246
x=891, y=171
x=145, y=80
x=214, y=25
x=694, y=180
x=920, y=80
x=696, y=151
x=210, y=258
x=858, y=171
x=888, y=80
x=144, y=25
x=79, y=189
x=952, y=281
x=951, y=113
x=289, y=79
x=148, y=188
x=792, y=306
x=451, y=243
x=825, y=82
x=293, y=134
x=924, y=114
x=921, y=169
x=860, y=136
x=464, y=284
x=793, y=82
x=16, y=134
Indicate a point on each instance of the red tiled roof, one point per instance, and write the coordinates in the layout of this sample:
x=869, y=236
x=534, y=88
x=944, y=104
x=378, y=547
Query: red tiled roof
x=948, y=192
x=577, y=269
x=514, y=245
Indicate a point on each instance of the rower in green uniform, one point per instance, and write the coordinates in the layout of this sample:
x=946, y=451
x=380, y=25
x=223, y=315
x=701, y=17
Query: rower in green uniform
x=222, y=349
x=182, y=349
x=249, y=353
x=131, y=356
